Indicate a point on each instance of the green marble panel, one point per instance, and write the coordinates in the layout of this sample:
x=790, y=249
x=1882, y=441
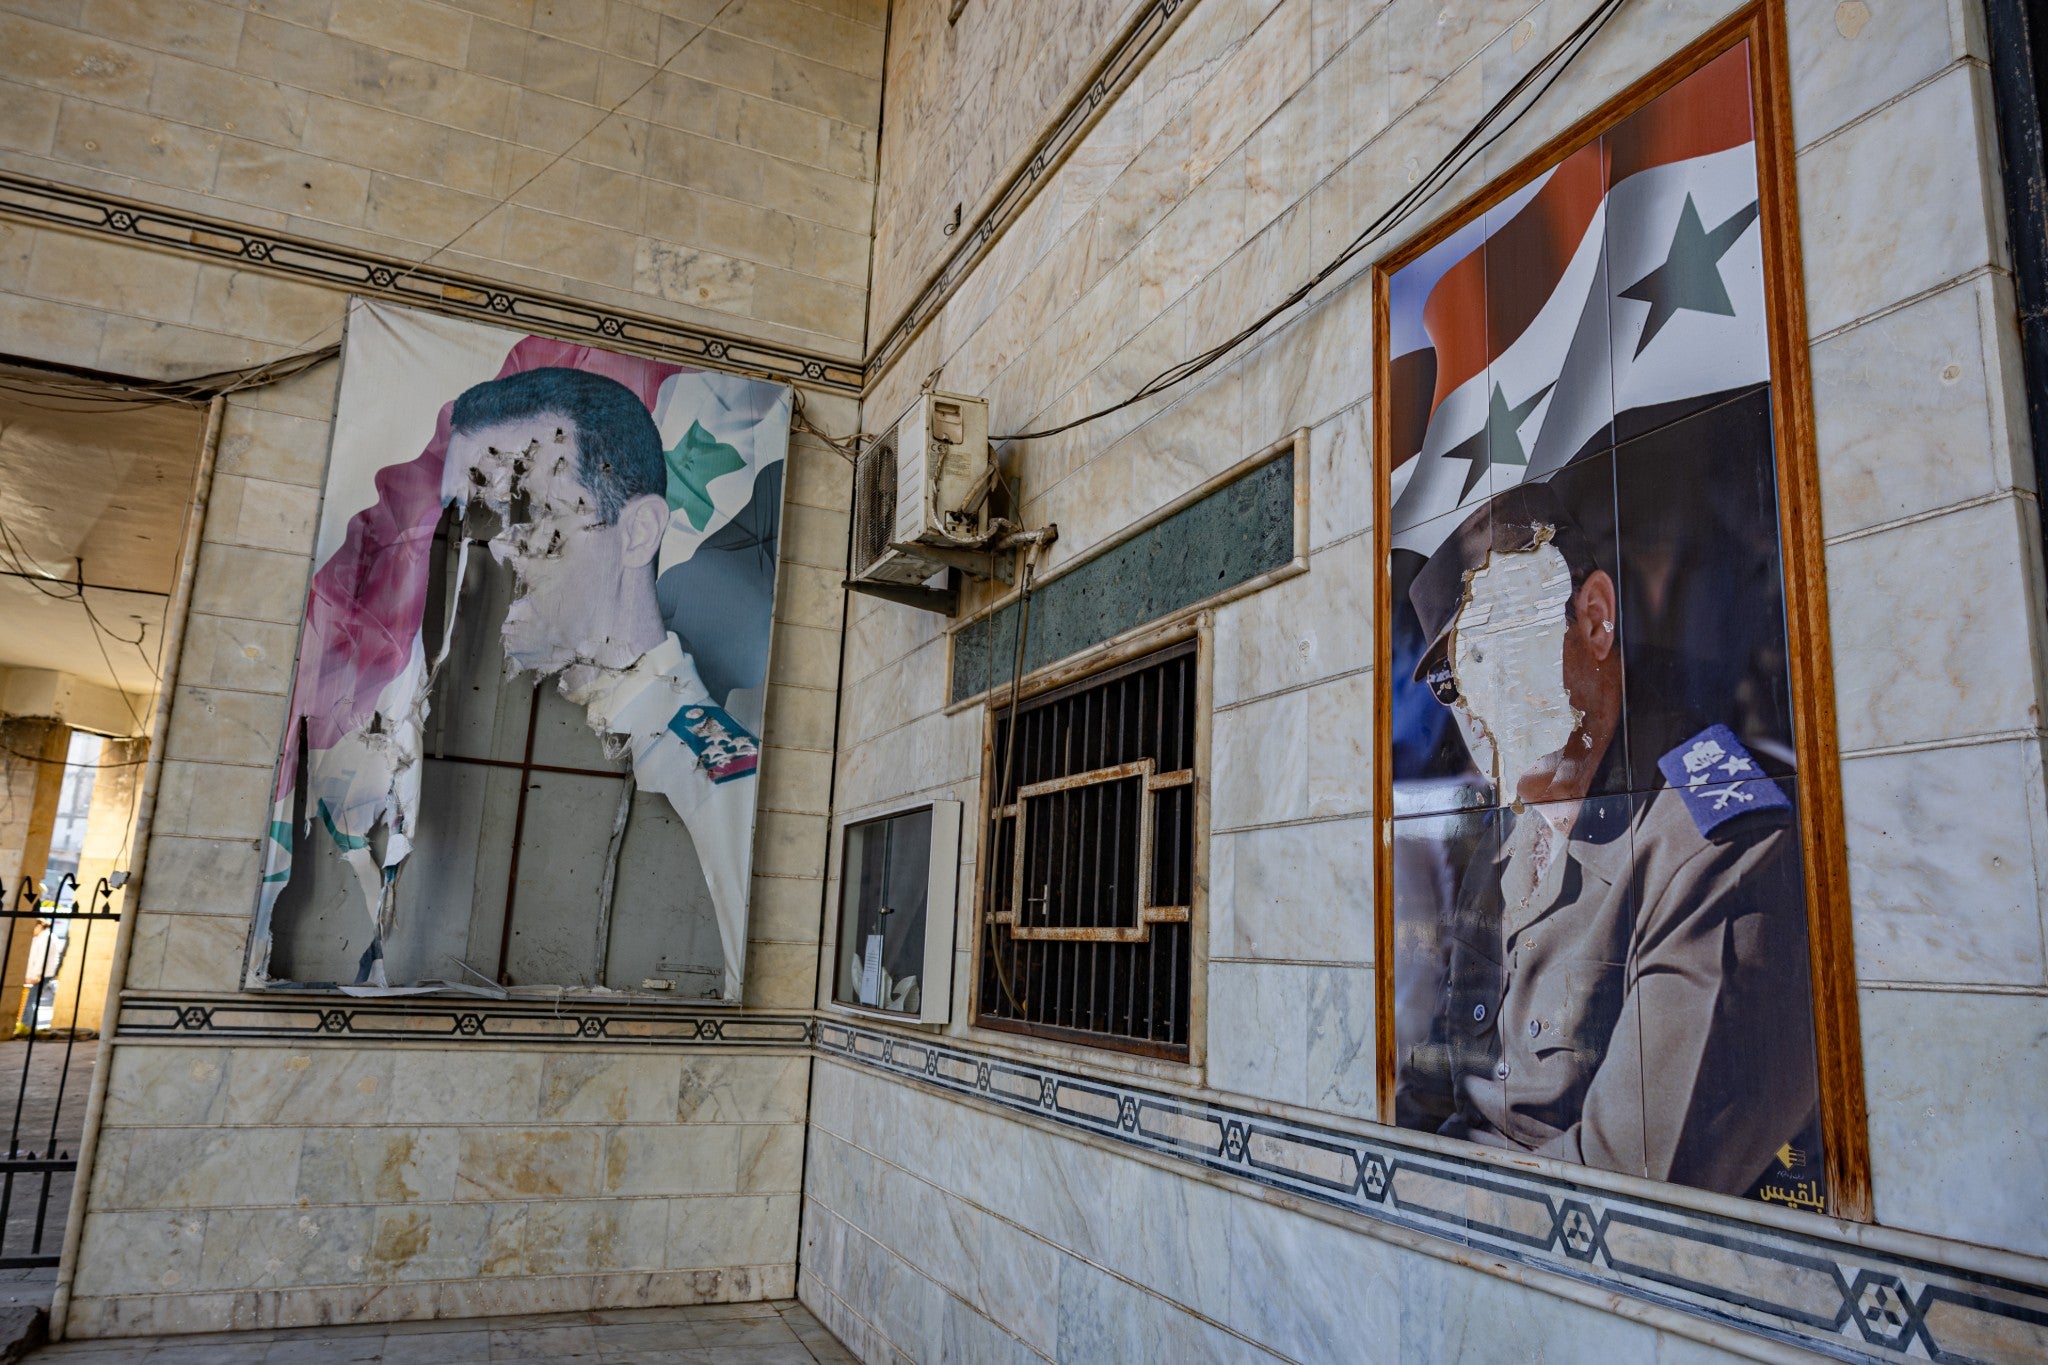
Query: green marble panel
x=1238, y=532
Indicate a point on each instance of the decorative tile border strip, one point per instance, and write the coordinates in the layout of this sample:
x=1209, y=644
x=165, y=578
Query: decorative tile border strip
x=574, y=1023
x=1810, y=1290
x=1123, y=59
x=1823, y=1294
x=445, y=291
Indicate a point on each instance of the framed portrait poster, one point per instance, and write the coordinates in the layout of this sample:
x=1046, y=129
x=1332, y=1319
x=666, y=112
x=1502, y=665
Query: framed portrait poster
x=1611, y=919
x=522, y=750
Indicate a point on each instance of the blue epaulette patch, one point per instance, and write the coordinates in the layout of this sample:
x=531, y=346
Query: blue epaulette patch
x=1718, y=780
x=722, y=744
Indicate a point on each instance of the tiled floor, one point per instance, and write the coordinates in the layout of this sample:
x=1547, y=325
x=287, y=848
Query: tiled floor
x=716, y=1334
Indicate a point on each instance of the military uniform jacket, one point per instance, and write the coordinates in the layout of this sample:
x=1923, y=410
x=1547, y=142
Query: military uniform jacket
x=1645, y=1006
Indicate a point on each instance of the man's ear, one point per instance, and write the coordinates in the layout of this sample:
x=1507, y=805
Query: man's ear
x=1596, y=613
x=642, y=523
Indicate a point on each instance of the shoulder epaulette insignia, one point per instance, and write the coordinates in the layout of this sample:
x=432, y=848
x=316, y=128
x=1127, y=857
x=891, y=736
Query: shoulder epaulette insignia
x=722, y=744
x=1718, y=780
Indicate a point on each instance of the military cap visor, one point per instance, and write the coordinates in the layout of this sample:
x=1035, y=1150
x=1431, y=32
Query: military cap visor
x=1511, y=522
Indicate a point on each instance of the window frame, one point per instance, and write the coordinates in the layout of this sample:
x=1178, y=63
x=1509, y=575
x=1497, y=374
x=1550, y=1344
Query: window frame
x=1837, y=1035
x=1193, y=624
x=941, y=916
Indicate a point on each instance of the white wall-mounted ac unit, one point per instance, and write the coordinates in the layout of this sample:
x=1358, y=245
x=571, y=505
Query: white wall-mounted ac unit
x=920, y=500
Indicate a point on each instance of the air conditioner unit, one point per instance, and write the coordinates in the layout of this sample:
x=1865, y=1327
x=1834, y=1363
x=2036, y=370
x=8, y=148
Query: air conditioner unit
x=920, y=501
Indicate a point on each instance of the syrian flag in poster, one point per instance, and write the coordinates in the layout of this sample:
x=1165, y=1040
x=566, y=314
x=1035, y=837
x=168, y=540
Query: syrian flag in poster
x=1618, y=289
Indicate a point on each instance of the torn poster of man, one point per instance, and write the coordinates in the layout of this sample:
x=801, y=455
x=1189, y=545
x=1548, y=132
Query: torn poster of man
x=1600, y=931
x=443, y=818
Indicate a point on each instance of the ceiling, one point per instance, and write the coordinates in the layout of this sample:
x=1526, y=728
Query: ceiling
x=93, y=481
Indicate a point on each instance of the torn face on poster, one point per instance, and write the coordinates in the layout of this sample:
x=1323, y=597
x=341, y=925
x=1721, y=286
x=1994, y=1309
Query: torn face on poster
x=1600, y=929
x=523, y=744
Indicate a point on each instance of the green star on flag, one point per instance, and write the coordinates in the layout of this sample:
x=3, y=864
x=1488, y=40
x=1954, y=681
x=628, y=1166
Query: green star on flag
x=1690, y=277
x=693, y=463
x=1500, y=442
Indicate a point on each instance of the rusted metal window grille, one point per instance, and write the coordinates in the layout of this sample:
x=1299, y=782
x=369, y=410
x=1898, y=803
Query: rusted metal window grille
x=1090, y=879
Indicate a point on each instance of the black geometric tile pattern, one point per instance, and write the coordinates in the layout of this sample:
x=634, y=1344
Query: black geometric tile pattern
x=444, y=291
x=1812, y=1287
x=449, y=291
x=280, y=1019
x=1809, y=1288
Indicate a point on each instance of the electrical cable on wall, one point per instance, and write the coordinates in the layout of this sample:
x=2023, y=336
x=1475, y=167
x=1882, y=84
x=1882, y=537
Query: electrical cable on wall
x=1554, y=63
x=96, y=393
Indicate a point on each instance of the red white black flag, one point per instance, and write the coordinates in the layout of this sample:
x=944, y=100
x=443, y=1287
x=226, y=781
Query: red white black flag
x=1619, y=289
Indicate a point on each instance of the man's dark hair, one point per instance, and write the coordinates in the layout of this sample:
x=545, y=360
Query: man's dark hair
x=618, y=448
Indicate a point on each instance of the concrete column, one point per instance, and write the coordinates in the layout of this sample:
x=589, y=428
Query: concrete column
x=109, y=824
x=32, y=752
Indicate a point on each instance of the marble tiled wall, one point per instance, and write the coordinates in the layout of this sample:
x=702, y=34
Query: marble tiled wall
x=946, y=1232
x=271, y=1183
x=1255, y=143
x=201, y=1181
x=242, y=1187
x=963, y=101
x=735, y=187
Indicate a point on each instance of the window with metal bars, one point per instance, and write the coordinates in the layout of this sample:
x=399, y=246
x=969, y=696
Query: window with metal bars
x=1089, y=883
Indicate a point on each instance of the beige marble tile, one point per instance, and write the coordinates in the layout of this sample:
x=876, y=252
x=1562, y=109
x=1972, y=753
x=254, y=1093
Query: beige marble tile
x=770, y=1158
x=1300, y=630
x=1259, y=767
x=1426, y=41
x=1341, y=1061
x=735, y=1230
x=1128, y=1322
x=433, y=1243
x=246, y=656
x=1249, y=86
x=276, y=1085
x=139, y=1253
x=1320, y=361
x=377, y=1166
x=212, y=800
x=754, y=1089
x=202, y=952
x=608, y=1087
x=1846, y=59
x=199, y=876
x=1352, y=91
x=155, y=151
x=211, y=725
x=266, y=1248
x=465, y=1086
x=1930, y=377
x=1300, y=893
x=1258, y=1021
x=1952, y=1146
x=269, y=444
x=692, y=1159
x=1939, y=895
x=1916, y=661
x=194, y=1168
x=74, y=269
x=166, y=1085
x=1340, y=491
x=1865, y=245
x=260, y=585
x=522, y=1163
x=1305, y=1287
x=590, y=1235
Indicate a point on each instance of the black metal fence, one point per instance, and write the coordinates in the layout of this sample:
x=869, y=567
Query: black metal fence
x=43, y=1069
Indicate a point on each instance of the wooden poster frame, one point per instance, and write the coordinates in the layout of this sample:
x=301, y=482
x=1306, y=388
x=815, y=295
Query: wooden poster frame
x=1837, y=1034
